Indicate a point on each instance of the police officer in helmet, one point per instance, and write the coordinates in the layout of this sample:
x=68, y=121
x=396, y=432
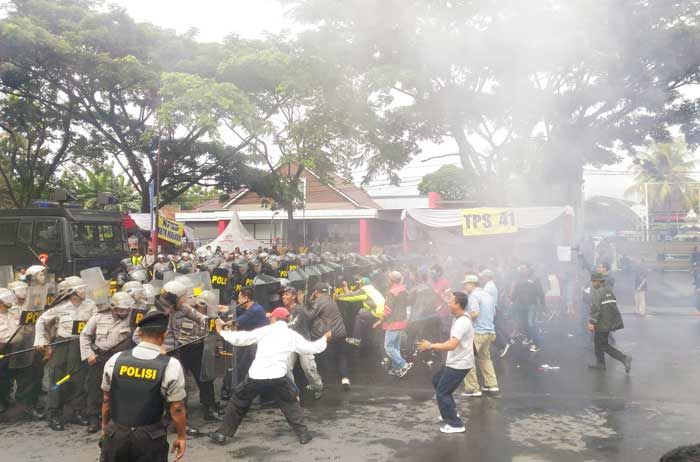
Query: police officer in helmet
x=139, y=385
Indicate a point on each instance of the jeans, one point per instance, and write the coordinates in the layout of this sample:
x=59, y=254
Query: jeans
x=532, y=330
x=335, y=356
x=392, y=346
x=445, y=382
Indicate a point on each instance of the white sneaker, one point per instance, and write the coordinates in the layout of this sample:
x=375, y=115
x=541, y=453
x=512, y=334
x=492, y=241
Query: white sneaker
x=474, y=394
x=404, y=370
x=491, y=389
x=345, y=382
x=441, y=420
x=450, y=429
x=534, y=349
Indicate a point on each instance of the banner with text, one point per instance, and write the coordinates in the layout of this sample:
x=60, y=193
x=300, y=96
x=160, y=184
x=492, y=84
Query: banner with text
x=170, y=231
x=487, y=221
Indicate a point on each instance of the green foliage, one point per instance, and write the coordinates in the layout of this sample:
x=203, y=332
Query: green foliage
x=87, y=184
x=450, y=181
x=661, y=172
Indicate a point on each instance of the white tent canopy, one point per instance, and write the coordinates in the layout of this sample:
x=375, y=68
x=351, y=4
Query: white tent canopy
x=235, y=235
x=526, y=217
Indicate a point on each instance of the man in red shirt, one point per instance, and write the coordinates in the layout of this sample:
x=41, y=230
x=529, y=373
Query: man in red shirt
x=395, y=321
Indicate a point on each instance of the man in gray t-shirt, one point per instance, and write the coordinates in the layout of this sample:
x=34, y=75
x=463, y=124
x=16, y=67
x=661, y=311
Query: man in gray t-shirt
x=460, y=359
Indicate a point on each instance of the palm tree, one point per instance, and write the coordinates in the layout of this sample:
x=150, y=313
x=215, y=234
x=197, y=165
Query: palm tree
x=664, y=170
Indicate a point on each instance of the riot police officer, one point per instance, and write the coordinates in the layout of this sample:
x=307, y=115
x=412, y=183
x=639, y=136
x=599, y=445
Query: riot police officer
x=8, y=325
x=145, y=380
x=28, y=368
x=191, y=356
x=63, y=323
x=103, y=334
x=160, y=266
x=136, y=290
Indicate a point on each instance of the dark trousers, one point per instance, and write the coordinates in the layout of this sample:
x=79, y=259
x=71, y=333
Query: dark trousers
x=363, y=323
x=5, y=383
x=244, y=358
x=93, y=387
x=336, y=356
x=66, y=358
x=143, y=444
x=502, y=333
x=28, y=380
x=284, y=393
x=601, y=342
x=191, y=359
x=445, y=382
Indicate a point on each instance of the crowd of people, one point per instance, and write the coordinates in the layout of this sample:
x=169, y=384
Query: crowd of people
x=260, y=312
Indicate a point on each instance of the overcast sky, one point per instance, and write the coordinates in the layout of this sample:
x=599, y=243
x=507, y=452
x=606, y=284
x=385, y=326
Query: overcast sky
x=216, y=19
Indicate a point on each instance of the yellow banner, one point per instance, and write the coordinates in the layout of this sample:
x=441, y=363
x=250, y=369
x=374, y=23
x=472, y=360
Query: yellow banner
x=170, y=230
x=487, y=221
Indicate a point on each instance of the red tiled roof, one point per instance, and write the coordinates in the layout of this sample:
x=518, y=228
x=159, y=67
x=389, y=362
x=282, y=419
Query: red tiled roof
x=355, y=193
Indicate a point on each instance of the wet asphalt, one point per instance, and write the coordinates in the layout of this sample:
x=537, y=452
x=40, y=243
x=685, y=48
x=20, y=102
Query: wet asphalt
x=568, y=414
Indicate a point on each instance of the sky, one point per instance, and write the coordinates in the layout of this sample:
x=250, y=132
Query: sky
x=215, y=19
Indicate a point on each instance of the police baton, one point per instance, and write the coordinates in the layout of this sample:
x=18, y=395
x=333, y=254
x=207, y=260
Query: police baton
x=39, y=346
x=199, y=339
x=84, y=362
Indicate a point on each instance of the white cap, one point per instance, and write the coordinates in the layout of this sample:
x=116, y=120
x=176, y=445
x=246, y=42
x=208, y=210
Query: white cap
x=471, y=279
x=134, y=289
x=34, y=270
x=19, y=288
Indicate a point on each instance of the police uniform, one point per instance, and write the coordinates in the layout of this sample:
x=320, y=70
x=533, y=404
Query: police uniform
x=8, y=326
x=67, y=320
x=101, y=335
x=141, y=382
x=27, y=368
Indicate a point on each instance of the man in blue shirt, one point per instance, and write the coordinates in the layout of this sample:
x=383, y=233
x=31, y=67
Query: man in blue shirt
x=481, y=309
x=249, y=316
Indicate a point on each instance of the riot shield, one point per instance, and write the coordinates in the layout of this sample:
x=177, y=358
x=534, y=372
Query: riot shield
x=265, y=287
x=32, y=309
x=205, y=280
x=168, y=276
x=327, y=274
x=195, y=282
x=298, y=279
x=207, y=371
x=7, y=275
x=97, y=287
x=314, y=274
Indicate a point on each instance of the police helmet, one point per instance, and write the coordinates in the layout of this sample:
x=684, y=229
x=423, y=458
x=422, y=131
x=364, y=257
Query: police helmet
x=207, y=297
x=138, y=274
x=121, y=301
x=7, y=297
x=150, y=293
x=176, y=288
x=19, y=288
x=135, y=290
x=72, y=285
x=36, y=273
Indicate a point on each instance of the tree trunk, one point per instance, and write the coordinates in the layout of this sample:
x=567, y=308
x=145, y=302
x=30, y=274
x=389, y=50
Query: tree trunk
x=291, y=228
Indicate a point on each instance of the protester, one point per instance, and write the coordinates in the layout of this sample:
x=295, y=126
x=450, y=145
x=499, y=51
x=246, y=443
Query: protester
x=395, y=322
x=275, y=343
x=605, y=319
x=528, y=298
x=460, y=360
x=325, y=316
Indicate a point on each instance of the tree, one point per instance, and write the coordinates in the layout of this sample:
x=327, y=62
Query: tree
x=663, y=172
x=195, y=196
x=133, y=87
x=36, y=142
x=87, y=184
x=450, y=181
x=527, y=91
x=313, y=118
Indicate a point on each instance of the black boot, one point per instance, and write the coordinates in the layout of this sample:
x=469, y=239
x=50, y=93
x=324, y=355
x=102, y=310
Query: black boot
x=225, y=395
x=93, y=424
x=56, y=422
x=193, y=432
x=80, y=419
x=209, y=414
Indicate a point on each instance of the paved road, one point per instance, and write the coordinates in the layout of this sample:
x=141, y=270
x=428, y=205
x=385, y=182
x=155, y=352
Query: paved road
x=570, y=414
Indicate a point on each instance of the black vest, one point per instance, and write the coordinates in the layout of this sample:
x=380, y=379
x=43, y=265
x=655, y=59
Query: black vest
x=136, y=397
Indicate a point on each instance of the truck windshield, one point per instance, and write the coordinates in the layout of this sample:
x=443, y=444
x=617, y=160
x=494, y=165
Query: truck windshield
x=96, y=239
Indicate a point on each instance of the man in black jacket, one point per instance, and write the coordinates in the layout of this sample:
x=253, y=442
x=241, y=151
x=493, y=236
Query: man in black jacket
x=325, y=316
x=605, y=318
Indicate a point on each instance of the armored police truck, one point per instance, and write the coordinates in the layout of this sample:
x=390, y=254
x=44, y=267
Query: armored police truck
x=68, y=239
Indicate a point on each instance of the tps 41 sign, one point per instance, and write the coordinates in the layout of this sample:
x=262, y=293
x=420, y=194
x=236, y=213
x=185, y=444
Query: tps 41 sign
x=488, y=221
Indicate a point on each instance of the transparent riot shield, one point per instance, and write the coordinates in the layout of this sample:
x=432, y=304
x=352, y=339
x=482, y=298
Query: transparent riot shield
x=265, y=288
x=7, y=275
x=97, y=287
x=29, y=314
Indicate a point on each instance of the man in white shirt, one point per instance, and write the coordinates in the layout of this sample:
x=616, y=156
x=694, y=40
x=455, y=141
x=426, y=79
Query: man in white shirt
x=275, y=342
x=460, y=359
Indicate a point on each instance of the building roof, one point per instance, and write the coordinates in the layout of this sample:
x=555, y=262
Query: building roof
x=346, y=190
x=215, y=204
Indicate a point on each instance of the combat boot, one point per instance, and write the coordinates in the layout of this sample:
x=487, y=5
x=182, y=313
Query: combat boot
x=56, y=421
x=210, y=415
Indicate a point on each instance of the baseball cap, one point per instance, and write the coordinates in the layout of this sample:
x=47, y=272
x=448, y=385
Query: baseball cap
x=154, y=319
x=288, y=289
x=471, y=279
x=280, y=313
